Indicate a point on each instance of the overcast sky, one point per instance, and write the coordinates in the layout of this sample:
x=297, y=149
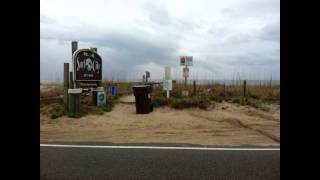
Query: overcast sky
x=225, y=37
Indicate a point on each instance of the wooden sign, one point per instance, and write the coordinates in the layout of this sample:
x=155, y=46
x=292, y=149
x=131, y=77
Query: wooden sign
x=87, y=66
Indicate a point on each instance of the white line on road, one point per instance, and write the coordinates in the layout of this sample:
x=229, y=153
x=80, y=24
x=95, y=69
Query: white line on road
x=157, y=147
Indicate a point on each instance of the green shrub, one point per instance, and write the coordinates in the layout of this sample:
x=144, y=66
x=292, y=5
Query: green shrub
x=86, y=109
x=179, y=103
x=176, y=94
x=187, y=103
x=236, y=100
x=159, y=101
x=212, y=98
x=107, y=108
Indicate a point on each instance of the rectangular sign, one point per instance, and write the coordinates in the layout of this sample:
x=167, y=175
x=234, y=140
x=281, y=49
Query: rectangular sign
x=186, y=60
x=167, y=85
x=113, y=90
x=88, y=84
x=101, y=98
x=147, y=74
x=167, y=73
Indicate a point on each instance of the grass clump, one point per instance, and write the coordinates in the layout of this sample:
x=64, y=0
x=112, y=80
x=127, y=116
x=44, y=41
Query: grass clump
x=106, y=108
x=236, y=100
x=187, y=103
x=53, y=110
x=179, y=104
x=87, y=109
x=212, y=98
x=159, y=101
x=203, y=103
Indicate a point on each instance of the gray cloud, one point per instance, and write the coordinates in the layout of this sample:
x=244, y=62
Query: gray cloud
x=271, y=32
x=231, y=37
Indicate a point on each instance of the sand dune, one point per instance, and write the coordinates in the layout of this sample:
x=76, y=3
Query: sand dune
x=221, y=124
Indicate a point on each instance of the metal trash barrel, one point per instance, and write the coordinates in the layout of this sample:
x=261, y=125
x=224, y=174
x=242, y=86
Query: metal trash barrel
x=74, y=101
x=142, y=95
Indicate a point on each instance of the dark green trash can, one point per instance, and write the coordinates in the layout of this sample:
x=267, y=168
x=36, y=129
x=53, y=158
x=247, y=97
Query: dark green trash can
x=74, y=101
x=142, y=95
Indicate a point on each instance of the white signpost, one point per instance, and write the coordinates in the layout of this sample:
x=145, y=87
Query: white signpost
x=167, y=83
x=186, y=72
x=186, y=61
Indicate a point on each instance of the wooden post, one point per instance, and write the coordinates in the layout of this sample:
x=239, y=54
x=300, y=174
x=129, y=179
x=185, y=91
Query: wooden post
x=185, y=79
x=194, y=87
x=66, y=84
x=224, y=89
x=74, y=46
x=244, y=88
x=71, y=86
x=143, y=78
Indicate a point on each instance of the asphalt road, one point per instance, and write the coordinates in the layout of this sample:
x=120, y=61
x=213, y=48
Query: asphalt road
x=115, y=163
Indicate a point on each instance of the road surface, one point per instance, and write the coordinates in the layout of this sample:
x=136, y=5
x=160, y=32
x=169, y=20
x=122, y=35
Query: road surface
x=143, y=161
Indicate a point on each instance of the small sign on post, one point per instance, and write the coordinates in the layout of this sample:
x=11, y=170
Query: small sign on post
x=167, y=85
x=186, y=60
x=113, y=90
x=101, y=98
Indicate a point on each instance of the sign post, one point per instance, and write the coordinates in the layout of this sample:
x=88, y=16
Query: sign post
x=65, y=85
x=167, y=83
x=147, y=75
x=143, y=78
x=186, y=61
x=74, y=46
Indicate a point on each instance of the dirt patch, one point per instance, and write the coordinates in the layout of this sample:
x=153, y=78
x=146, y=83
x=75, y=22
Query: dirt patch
x=224, y=124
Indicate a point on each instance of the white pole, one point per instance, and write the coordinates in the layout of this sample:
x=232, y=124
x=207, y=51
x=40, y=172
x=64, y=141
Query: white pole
x=168, y=94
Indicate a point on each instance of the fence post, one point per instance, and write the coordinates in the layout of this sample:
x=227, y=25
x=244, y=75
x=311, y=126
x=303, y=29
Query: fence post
x=194, y=87
x=65, y=85
x=71, y=86
x=224, y=89
x=244, y=88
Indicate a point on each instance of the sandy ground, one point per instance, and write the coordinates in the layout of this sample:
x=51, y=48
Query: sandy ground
x=222, y=124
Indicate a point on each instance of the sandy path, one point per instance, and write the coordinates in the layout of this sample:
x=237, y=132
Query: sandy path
x=127, y=99
x=224, y=124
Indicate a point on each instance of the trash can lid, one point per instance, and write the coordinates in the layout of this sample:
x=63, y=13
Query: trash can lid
x=75, y=91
